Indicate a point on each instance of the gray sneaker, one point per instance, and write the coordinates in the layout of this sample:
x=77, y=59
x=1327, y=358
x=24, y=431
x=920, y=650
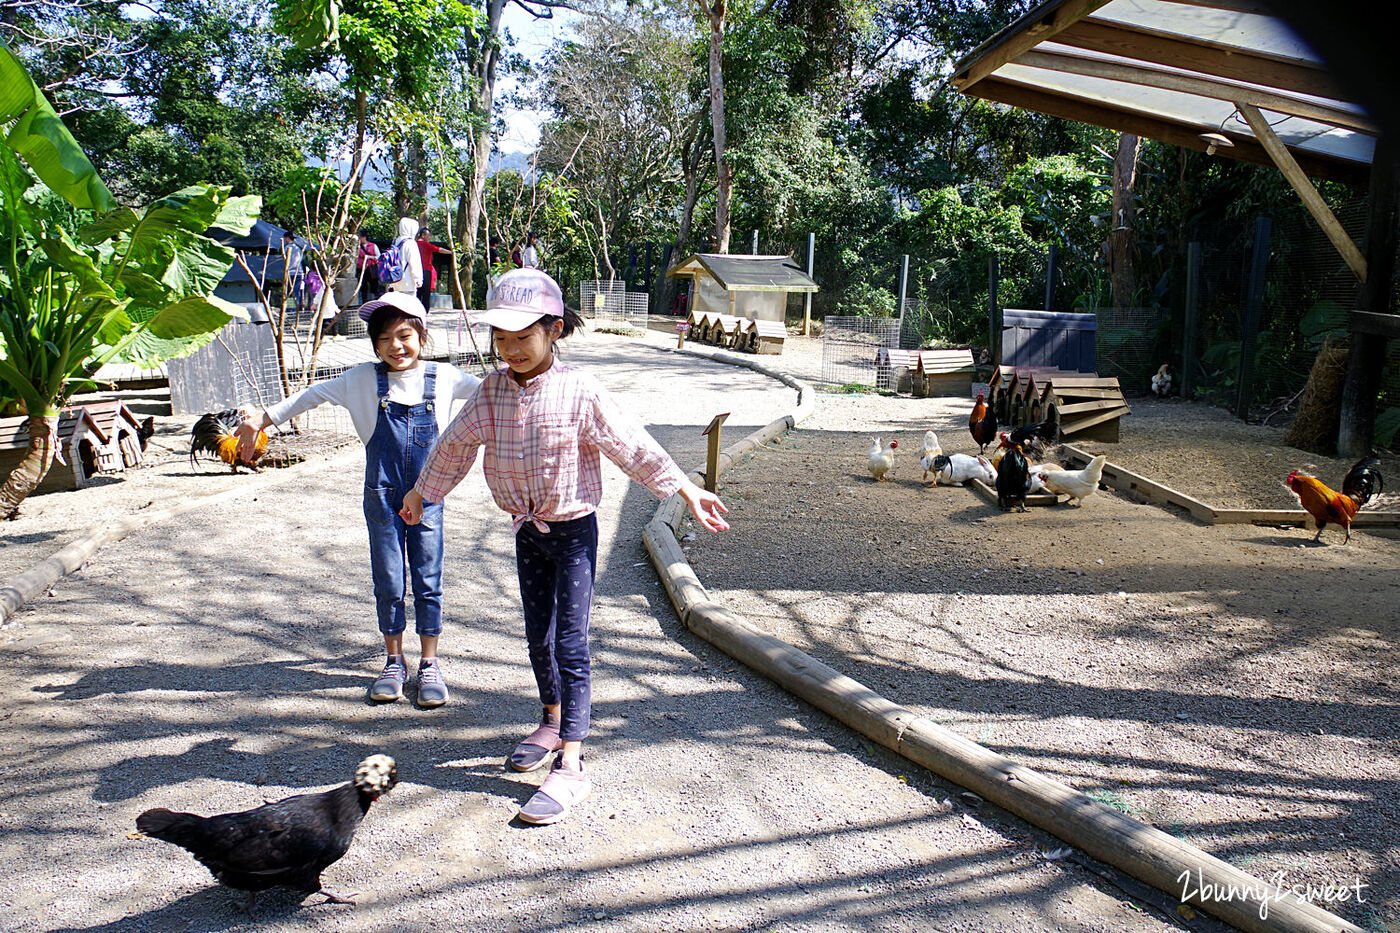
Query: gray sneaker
x=389, y=686
x=432, y=689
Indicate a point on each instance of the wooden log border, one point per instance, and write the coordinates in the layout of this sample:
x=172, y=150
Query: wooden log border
x=1145, y=852
x=1145, y=490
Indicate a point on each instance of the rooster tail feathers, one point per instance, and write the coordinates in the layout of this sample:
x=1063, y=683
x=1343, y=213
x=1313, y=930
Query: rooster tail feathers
x=1364, y=480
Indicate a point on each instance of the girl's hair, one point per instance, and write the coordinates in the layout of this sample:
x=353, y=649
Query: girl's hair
x=387, y=317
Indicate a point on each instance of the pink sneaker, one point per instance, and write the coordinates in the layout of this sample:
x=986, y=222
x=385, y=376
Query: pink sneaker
x=563, y=788
x=532, y=752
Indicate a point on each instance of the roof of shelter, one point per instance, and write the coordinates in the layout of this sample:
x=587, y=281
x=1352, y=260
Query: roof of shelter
x=1176, y=70
x=747, y=273
x=264, y=237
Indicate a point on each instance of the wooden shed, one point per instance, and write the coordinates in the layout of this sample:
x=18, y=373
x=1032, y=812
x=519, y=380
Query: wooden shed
x=1054, y=339
x=754, y=288
x=81, y=442
x=761, y=336
x=943, y=373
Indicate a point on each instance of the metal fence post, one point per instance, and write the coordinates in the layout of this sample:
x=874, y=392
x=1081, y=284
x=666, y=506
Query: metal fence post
x=1190, y=330
x=754, y=251
x=807, y=298
x=1258, y=267
x=1052, y=260
x=903, y=292
x=993, y=325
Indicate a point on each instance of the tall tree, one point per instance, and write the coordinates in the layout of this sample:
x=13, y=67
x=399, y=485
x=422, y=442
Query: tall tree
x=1121, y=239
x=715, y=12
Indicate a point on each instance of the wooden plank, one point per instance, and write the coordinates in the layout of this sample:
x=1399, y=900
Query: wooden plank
x=1100, y=405
x=1201, y=55
x=1055, y=392
x=1082, y=424
x=1085, y=382
x=1283, y=158
x=1142, y=123
x=1300, y=517
x=1140, y=486
x=990, y=494
x=1238, y=93
x=1022, y=36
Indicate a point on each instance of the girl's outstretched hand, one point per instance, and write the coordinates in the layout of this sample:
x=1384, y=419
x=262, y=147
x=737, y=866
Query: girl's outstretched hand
x=705, y=506
x=412, y=510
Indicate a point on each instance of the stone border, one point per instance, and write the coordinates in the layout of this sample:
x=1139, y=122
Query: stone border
x=1145, y=852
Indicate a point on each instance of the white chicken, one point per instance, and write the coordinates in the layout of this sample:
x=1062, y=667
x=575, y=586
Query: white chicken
x=881, y=458
x=931, y=451
x=958, y=469
x=1077, y=484
x=1162, y=381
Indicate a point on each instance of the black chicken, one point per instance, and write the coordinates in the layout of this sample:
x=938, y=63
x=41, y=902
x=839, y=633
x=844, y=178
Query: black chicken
x=1033, y=439
x=283, y=844
x=1013, y=479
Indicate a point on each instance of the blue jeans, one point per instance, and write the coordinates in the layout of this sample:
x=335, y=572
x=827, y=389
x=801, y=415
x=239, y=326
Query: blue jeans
x=397, y=450
x=556, y=573
x=390, y=542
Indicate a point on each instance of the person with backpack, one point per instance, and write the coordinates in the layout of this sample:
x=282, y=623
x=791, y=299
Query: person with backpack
x=401, y=265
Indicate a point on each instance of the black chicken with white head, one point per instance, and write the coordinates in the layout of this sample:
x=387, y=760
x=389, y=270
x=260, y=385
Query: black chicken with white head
x=284, y=844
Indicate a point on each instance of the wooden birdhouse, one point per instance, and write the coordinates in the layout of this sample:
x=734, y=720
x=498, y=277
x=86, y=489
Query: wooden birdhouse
x=81, y=444
x=126, y=437
x=943, y=373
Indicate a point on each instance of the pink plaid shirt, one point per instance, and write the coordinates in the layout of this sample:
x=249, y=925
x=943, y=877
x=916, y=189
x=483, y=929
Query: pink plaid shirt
x=542, y=445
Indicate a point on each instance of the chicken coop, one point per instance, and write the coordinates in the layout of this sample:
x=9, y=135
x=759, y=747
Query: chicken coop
x=750, y=289
x=81, y=443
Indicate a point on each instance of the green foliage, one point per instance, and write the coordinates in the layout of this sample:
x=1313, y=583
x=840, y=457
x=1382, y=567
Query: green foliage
x=865, y=300
x=41, y=138
x=1387, y=426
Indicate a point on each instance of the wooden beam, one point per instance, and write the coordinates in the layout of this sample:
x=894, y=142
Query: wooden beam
x=1024, y=34
x=1085, y=110
x=1311, y=199
x=1382, y=325
x=1255, y=7
x=1201, y=55
x=1238, y=93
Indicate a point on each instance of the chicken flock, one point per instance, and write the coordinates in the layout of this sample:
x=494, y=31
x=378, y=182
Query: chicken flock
x=1020, y=465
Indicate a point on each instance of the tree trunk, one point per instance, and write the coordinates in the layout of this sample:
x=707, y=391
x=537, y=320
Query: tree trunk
x=30, y=472
x=1122, y=241
x=484, y=70
x=361, y=120
x=459, y=298
x=716, y=12
x=400, y=182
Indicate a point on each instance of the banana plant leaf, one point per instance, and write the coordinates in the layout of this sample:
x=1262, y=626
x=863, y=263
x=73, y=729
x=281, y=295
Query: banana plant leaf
x=40, y=136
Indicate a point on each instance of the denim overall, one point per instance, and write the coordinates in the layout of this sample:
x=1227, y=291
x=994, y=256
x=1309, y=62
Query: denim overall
x=403, y=437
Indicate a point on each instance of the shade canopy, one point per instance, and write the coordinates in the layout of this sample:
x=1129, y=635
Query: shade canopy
x=746, y=273
x=1198, y=73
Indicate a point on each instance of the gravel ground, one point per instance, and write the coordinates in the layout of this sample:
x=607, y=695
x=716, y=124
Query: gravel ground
x=1232, y=684
x=210, y=661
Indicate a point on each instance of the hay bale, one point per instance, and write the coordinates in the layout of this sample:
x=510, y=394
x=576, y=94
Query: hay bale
x=1319, y=411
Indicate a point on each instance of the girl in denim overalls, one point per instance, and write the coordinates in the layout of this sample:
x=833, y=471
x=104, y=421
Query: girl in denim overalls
x=541, y=427
x=398, y=406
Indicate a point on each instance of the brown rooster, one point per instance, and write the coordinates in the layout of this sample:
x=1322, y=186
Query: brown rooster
x=982, y=423
x=1326, y=505
x=213, y=434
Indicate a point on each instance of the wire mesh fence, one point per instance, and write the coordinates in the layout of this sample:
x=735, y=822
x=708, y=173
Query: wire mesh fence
x=851, y=350
x=610, y=303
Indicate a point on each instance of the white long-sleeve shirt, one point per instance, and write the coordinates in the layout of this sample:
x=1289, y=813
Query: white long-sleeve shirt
x=357, y=391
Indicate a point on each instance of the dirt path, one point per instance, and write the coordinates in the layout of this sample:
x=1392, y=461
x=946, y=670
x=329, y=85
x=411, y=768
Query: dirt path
x=205, y=663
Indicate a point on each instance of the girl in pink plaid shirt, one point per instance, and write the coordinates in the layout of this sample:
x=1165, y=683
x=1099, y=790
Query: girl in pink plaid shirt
x=541, y=427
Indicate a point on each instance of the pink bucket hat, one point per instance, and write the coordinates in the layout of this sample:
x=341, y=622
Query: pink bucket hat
x=408, y=304
x=520, y=298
